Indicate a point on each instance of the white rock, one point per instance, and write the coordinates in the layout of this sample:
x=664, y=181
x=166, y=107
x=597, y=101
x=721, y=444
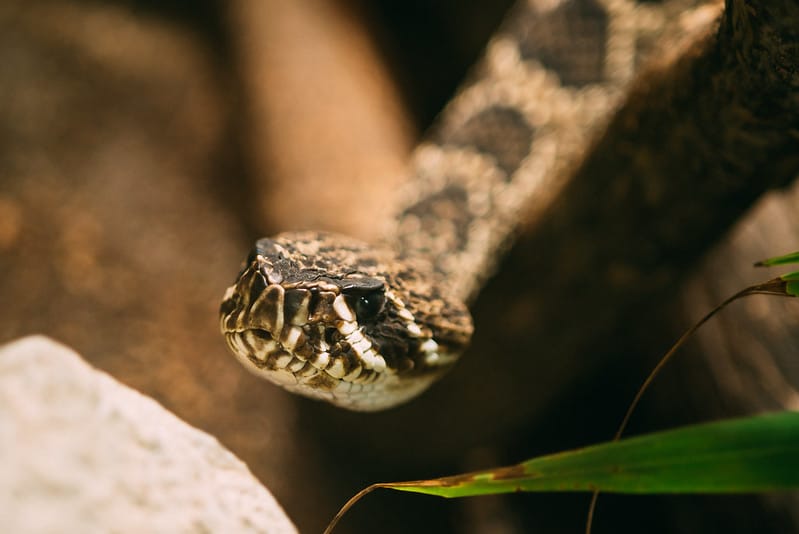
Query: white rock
x=80, y=452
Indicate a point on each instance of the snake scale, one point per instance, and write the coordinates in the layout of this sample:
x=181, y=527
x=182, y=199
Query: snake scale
x=369, y=326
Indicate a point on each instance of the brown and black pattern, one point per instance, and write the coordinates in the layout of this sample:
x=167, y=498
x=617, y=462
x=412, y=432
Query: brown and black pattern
x=501, y=132
x=570, y=39
x=550, y=79
x=330, y=318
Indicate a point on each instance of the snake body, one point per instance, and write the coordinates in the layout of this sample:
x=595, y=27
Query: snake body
x=369, y=326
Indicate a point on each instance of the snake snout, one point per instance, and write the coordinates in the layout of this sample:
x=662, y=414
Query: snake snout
x=320, y=315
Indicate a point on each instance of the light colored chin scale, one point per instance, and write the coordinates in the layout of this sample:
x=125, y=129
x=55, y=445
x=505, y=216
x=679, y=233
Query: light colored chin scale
x=316, y=378
x=381, y=395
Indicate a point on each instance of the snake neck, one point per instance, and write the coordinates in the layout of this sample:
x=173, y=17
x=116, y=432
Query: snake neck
x=508, y=141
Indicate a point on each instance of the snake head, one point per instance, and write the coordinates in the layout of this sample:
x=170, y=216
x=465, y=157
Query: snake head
x=332, y=318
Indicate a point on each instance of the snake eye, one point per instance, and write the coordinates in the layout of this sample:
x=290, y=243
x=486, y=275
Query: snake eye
x=367, y=305
x=365, y=296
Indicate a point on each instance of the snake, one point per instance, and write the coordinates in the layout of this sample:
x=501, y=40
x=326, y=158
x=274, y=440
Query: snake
x=369, y=326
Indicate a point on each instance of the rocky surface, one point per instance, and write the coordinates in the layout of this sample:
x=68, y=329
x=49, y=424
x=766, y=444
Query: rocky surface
x=83, y=453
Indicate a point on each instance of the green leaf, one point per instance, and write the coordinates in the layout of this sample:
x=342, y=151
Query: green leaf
x=780, y=260
x=741, y=455
x=792, y=283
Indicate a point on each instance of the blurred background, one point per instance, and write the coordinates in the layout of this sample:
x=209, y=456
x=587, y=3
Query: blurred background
x=143, y=147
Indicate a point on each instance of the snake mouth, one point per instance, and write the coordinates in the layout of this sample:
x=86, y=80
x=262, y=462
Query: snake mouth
x=328, y=355
x=339, y=380
x=299, y=336
x=352, y=387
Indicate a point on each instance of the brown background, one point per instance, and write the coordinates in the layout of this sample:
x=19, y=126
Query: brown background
x=144, y=145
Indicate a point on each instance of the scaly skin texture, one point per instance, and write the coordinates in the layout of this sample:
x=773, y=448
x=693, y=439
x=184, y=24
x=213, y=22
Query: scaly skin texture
x=355, y=325
x=552, y=76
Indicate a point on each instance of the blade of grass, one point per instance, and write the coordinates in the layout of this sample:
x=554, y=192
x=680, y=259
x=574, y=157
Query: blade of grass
x=783, y=286
x=791, y=283
x=736, y=456
x=742, y=455
x=779, y=260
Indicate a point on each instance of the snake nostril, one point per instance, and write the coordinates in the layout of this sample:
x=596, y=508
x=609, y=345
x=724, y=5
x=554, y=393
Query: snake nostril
x=230, y=304
x=263, y=334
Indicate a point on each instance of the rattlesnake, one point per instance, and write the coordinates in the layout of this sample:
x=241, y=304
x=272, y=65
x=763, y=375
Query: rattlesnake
x=367, y=327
